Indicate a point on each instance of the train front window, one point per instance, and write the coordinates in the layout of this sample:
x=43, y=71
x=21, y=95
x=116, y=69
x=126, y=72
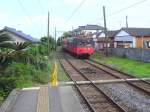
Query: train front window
x=83, y=42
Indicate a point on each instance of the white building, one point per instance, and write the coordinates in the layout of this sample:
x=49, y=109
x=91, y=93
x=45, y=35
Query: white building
x=87, y=30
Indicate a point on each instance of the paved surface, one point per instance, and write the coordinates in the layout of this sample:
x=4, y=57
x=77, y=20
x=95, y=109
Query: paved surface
x=54, y=100
x=63, y=99
x=43, y=100
x=26, y=102
x=47, y=99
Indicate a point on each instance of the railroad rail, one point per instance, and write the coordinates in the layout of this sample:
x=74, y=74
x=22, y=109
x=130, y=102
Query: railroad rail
x=117, y=70
x=92, y=73
x=96, y=99
x=141, y=84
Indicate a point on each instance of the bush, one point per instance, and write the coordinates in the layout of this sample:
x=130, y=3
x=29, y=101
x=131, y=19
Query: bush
x=27, y=74
x=7, y=84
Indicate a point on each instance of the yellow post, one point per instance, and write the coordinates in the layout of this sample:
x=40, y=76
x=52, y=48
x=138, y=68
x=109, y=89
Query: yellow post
x=54, y=81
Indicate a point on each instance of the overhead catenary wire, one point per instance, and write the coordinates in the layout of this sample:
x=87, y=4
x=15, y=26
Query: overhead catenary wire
x=120, y=10
x=42, y=18
x=78, y=7
x=125, y=8
x=24, y=10
x=30, y=19
x=40, y=5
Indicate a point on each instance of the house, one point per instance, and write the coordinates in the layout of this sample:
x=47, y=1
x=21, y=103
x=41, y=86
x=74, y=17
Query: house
x=87, y=30
x=105, y=39
x=18, y=36
x=132, y=38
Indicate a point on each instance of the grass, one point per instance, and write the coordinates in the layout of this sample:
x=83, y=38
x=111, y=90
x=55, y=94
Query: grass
x=135, y=68
x=61, y=76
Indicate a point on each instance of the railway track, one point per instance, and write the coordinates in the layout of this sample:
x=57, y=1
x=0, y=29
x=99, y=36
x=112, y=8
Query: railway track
x=96, y=99
x=120, y=93
x=142, y=85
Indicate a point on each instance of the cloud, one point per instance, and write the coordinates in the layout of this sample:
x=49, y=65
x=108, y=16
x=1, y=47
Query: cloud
x=3, y=15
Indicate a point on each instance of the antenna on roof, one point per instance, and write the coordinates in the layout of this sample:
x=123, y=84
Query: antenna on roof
x=126, y=21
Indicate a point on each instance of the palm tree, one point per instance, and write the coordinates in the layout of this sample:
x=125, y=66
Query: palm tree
x=10, y=51
x=5, y=41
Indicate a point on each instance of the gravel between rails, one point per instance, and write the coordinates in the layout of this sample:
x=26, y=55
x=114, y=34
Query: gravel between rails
x=97, y=99
x=142, y=84
x=129, y=98
x=83, y=103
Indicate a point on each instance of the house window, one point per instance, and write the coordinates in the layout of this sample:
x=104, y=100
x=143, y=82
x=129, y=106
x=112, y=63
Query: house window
x=148, y=44
x=123, y=44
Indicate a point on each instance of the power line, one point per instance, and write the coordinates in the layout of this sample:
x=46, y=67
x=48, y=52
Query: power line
x=26, y=13
x=79, y=6
x=125, y=8
x=24, y=10
x=120, y=10
x=42, y=12
x=41, y=7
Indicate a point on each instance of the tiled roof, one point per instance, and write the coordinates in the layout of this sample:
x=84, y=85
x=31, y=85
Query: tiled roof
x=137, y=31
x=21, y=34
x=89, y=27
x=109, y=33
x=94, y=27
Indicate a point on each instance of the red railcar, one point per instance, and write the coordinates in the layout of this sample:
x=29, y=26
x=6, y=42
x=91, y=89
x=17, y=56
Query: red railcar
x=78, y=46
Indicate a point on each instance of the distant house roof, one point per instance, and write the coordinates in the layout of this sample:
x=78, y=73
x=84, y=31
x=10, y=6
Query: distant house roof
x=20, y=34
x=109, y=33
x=137, y=31
x=94, y=27
x=89, y=27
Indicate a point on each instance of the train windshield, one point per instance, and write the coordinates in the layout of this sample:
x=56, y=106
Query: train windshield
x=83, y=42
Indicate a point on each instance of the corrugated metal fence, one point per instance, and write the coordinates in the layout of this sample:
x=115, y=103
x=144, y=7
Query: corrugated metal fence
x=131, y=53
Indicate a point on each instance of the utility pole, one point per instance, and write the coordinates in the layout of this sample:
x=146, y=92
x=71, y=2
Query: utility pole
x=105, y=30
x=48, y=37
x=126, y=21
x=104, y=20
x=55, y=39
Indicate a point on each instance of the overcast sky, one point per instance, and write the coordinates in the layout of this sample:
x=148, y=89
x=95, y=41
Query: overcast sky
x=30, y=16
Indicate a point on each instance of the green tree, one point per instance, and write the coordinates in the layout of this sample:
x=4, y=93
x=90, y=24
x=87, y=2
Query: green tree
x=67, y=34
x=47, y=45
x=11, y=51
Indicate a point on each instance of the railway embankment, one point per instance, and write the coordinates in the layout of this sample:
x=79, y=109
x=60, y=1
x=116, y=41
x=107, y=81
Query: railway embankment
x=135, y=68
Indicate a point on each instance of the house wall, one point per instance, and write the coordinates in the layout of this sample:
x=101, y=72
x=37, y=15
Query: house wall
x=92, y=31
x=123, y=36
x=16, y=38
x=101, y=35
x=139, y=41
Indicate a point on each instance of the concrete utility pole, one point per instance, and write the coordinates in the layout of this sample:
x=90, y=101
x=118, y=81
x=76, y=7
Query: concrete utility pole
x=104, y=20
x=105, y=29
x=48, y=37
x=55, y=39
x=126, y=21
